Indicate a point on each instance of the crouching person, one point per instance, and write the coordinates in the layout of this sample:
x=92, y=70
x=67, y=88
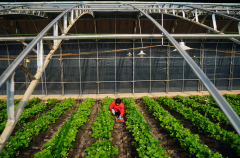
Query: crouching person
x=117, y=108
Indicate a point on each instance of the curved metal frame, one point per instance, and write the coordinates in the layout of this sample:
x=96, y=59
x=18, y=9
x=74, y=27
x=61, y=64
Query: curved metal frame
x=223, y=104
x=8, y=73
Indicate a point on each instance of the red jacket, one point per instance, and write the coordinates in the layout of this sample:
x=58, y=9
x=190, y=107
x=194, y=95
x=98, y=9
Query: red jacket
x=120, y=107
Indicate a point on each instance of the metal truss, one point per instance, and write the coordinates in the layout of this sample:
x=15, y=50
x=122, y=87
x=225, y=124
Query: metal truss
x=8, y=76
x=186, y=11
x=223, y=104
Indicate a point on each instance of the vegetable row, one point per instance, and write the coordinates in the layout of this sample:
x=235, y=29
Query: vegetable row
x=203, y=124
x=31, y=112
x=25, y=134
x=61, y=142
x=187, y=140
x=102, y=127
x=211, y=112
x=146, y=145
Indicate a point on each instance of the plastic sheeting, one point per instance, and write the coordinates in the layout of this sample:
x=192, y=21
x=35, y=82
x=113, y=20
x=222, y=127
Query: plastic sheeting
x=105, y=68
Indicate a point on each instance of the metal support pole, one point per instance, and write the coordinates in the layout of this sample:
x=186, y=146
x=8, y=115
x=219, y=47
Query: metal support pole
x=173, y=10
x=196, y=15
x=133, y=65
x=239, y=27
x=183, y=75
x=79, y=60
x=55, y=33
x=10, y=101
x=223, y=104
x=115, y=56
x=168, y=63
x=201, y=64
x=183, y=13
x=76, y=13
x=214, y=22
x=61, y=65
x=65, y=22
x=40, y=55
x=97, y=69
x=72, y=16
x=150, y=75
x=231, y=67
x=162, y=26
x=215, y=66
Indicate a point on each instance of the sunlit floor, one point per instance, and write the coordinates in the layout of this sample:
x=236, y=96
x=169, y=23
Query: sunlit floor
x=114, y=96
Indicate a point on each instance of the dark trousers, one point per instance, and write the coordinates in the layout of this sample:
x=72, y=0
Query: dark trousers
x=117, y=113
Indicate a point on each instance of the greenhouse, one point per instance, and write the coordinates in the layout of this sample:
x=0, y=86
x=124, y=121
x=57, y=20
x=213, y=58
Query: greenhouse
x=173, y=66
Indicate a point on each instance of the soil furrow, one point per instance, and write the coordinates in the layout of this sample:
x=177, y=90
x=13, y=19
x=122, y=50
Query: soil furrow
x=37, y=142
x=83, y=138
x=160, y=133
x=123, y=140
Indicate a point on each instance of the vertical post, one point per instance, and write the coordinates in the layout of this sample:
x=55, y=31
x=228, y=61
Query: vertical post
x=173, y=10
x=79, y=56
x=150, y=75
x=76, y=12
x=214, y=22
x=183, y=13
x=196, y=15
x=239, y=27
x=40, y=55
x=72, y=16
x=115, y=56
x=10, y=100
x=168, y=63
x=231, y=67
x=55, y=33
x=201, y=65
x=162, y=26
x=183, y=75
x=215, y=66
x=97, y=69
x=61, y=65
x=65, y=22
x=133, y=63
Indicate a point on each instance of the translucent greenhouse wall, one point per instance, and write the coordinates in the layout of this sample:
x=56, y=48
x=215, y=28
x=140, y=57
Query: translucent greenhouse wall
x=103, y=68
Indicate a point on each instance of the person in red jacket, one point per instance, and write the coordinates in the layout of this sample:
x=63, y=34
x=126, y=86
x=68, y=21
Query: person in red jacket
x=117, y=108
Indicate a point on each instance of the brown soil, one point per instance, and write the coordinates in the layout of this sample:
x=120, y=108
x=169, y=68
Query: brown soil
x=37, y=142
x=216, y=146
x=123, y=140
x=83, y=138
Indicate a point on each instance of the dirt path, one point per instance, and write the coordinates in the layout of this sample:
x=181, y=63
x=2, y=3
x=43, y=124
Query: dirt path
x=44, y=136
x=214, y=145
x=83, y=138
x=160, y=133
x=123, y=140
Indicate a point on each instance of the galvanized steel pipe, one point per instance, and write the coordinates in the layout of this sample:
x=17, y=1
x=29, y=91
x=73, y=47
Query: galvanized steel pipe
x=223, y=104
x=127, y=36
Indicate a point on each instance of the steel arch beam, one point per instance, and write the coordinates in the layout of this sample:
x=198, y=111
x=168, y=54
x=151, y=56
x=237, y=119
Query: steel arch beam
x=205, y=26
x=223, y=104
x=9, y=127
x=5, y=76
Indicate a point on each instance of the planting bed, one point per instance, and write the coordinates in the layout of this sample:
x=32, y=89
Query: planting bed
x=159, y=127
